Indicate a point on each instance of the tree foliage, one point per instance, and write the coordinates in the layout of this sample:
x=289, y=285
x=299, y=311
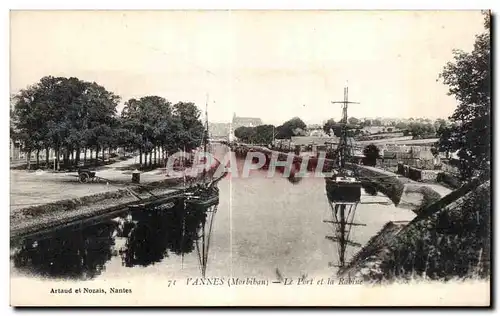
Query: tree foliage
x=293, y=127
x=262, y=134
x=372, y=153
x=65, y=114
x=69, y=115
x=421, y=130
x=353, y=121
x=468, y=79
x=329, y=126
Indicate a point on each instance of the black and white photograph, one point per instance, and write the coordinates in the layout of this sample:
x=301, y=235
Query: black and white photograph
x=250, y=158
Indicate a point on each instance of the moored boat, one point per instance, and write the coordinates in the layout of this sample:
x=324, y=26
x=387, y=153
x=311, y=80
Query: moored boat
x=343, y=189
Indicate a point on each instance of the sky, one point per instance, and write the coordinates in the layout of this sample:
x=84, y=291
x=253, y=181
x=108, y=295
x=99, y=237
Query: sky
x=274, y=65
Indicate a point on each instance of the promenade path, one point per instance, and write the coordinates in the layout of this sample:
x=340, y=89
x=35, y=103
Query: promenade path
x=30, y=188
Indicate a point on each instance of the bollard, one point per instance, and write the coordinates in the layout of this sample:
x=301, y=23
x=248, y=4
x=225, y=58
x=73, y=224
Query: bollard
x=136, y=176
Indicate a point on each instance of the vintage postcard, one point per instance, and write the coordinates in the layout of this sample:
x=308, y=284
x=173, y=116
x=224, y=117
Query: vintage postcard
x=250, y=158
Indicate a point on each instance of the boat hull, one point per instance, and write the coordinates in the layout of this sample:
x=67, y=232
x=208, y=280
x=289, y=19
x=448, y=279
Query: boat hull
x=203, y=202
x=343, y=191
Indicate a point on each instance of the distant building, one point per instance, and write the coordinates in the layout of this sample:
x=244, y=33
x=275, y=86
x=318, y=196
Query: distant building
x=243, y=122
x=318, y=133
x=314, y=140
x=314, y=127
x=218, y=130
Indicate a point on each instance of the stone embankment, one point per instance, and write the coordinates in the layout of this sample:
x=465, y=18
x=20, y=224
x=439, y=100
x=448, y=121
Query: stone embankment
x=83, y=205
x=402, y=191
x=33, y=219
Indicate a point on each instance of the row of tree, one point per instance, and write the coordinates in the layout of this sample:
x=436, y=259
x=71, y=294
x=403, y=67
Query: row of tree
x=264, y=134
x=69, y=115
x=396, y=125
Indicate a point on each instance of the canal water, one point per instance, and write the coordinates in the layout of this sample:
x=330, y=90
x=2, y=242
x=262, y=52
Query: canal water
x=262, y=227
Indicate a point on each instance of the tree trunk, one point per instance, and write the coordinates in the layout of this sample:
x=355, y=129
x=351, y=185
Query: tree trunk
x=103, y=154
x=84, y=155
x=64, y=150
x=46, y=157
x=72, y=156
x=56, y=158
x=150, y=157
x=38, y=158
x=155, y=156
x=67, y=156
x=140, y=157
x=77, y=160
x=97, y=155
x=165, y=157
x=28, y=157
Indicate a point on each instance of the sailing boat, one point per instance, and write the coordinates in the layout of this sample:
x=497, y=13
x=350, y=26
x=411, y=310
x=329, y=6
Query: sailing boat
x=205, y=192
x=343, y=186
x=343, y=191
x=204, y=198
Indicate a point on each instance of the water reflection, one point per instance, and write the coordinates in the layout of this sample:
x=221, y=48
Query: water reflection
x=69, y=254
x=153, y=233
x=342, y=222
x=150, y=236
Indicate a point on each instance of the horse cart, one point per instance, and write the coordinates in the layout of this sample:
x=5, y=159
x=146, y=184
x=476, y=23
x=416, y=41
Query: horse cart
x=86, y=175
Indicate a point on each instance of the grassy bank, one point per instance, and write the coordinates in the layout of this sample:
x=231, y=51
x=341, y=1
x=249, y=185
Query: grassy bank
x=31, y=219
x=449, y=240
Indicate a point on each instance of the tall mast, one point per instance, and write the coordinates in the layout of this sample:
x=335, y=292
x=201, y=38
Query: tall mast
x=206, y=125
x=205, y=140
x=343, y=146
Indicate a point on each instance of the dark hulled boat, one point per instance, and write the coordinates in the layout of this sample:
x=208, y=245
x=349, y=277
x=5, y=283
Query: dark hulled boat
x=343, y=189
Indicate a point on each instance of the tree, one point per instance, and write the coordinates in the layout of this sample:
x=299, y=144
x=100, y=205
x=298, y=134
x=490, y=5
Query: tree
x=158, y=129
x=421, y=130
x=439, y=123
x=353, y=120
x=329, y=125
x=291, y=128
x=468, y=79
x=245, y=134
x=264, y=134
x=66, y=114
x=446, y=142
x=376, y=123
x=372, y=153
x=401, y=125
x=191, y=130
x=97, y=117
